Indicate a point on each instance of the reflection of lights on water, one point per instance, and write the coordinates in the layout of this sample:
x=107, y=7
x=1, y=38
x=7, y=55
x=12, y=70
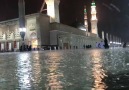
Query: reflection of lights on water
x=23, y=72
x=36, y=69
x=98, y=72
x=53, y=77
x=53, y=81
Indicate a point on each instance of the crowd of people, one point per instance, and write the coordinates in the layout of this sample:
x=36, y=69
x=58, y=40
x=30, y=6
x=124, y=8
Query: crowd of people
x=25, y=48
x=87, y=46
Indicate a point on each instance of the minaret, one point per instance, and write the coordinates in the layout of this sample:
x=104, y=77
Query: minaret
x=94, y=28
x=85, y=18
x=21, y=5
x=53, y=10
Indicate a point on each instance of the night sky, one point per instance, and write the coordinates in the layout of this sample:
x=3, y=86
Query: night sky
x=113, y=15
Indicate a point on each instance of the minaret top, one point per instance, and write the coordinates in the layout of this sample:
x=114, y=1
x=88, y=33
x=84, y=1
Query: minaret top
x=85, y=18
x=94, y=28
x=93, y=3
x=93, y=11
x=85, y=11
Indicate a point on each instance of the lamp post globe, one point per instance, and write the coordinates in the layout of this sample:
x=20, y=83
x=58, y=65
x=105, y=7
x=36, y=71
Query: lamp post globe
x=22, y=33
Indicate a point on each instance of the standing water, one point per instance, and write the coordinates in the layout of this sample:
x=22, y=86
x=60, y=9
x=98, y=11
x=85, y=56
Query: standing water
x=65, y=70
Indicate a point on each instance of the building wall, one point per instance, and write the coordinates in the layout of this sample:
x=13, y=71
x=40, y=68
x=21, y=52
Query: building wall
x=32, y=31
x=38, y=27
x=31, y=27
x=9, y=34
x=10, y=30
x=54, y=37
x=43, y=22
x=68, y=40
x=70, y=37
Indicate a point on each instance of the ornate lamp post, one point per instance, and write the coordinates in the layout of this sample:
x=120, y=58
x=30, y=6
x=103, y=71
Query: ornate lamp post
x=22, y=29
x=22, y=33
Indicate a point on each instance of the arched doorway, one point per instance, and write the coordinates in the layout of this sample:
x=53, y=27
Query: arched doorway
x=34, y=40
x=34, y=43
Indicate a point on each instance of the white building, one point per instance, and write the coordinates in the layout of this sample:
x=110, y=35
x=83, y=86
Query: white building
x=46, y=30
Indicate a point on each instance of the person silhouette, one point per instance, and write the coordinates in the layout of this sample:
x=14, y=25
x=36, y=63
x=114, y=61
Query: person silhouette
x=106, y=43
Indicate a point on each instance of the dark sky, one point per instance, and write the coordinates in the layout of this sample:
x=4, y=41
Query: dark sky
x=113, y=15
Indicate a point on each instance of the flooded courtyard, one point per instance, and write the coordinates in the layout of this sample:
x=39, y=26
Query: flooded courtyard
x=65, y=70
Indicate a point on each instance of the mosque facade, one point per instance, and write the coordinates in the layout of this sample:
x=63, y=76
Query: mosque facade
x=46, y=30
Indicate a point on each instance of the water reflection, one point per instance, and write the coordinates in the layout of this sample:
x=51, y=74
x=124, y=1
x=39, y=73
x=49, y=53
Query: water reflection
x=36, y=65
x=65, y=70
x=98, y=72
x=24, y=69
x=53, y=76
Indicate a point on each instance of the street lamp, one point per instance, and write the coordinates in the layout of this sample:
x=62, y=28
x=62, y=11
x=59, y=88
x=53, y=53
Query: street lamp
x=22, y=33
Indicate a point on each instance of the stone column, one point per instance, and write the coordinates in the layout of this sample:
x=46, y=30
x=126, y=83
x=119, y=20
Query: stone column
x=103, y=35
x=107, y=36
x=111, y=38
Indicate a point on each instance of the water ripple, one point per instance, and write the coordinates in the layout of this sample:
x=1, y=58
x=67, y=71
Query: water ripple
x=65, y=70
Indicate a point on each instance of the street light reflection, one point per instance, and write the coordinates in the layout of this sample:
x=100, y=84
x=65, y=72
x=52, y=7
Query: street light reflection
x=54, y=75
x=98, y=71
x=24, y=69
x=36, y=68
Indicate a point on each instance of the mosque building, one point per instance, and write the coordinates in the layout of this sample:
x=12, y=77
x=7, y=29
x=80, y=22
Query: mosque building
x=46, y=30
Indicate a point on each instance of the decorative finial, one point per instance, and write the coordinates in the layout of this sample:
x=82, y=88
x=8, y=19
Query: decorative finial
x=85, y=9
x=93, y=3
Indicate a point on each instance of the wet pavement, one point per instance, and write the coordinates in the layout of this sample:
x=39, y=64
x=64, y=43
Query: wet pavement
x=65, y=70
